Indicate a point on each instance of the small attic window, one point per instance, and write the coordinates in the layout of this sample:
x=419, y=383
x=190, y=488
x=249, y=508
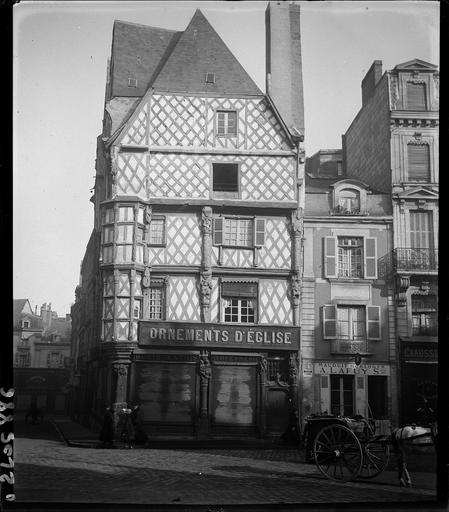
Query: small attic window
x=25, y=324
x=210, y=78
x=132, y=82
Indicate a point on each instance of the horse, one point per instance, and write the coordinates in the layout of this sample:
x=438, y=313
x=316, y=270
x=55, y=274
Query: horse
x=405, y=440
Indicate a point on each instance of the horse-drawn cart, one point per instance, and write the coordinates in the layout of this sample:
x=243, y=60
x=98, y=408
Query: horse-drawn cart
x=344, y=448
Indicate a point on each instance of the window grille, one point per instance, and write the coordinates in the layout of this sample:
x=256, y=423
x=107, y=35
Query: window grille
x=416, y=96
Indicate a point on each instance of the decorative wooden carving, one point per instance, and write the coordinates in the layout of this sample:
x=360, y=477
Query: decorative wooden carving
x=205, y=375
x=146, y=278
x=121, y=371
x=293, y=369
x=148, y=214
x=205, y=288
x=206, y=216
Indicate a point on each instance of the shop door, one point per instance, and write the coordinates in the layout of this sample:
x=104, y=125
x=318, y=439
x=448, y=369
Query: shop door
x=277, y=411
x=233, y=399
x=342, y=395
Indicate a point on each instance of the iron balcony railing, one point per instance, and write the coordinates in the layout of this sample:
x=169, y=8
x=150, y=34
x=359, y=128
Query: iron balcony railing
x=415, y=259
x=343, y=346
x=431, y=330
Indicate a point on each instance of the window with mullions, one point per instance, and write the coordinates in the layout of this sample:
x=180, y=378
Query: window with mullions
x=355, y=323
x=239, y=302
x=157, y=231
x=226, y=123
x=238, y=232
x=424, y=315
x=156, y=303
x=350, y=257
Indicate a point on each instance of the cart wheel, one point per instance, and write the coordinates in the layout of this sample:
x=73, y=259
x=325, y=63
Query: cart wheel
x=375, y=459
x=338, y=453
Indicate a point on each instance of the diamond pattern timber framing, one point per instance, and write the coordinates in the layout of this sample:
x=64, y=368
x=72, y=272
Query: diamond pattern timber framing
x=242, y=258
x=122, y=308
x=131, y=174
x=177, y=120
x=122, y=331
x=268, y=178
x=175, y=175
x=214, y=300
x=123, y=285
x=108, y=309
x=107, y=331
x=183, y=243
x=183, y=300
x=274, y=303
x=263, y=129
x=276, y=253
x=137, y=132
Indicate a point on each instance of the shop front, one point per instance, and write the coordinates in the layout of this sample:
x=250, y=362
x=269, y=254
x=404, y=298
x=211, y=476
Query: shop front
x=346, y=389
x=419, y=368
x=214, y=380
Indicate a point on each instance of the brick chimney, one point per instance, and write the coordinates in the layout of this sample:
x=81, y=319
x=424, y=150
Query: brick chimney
x=46, y=316
x=284, y=63
x=371, y=80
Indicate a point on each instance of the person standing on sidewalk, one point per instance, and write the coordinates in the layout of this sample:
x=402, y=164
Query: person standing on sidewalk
x=107, y=428
x=140, y=436
x=125, y=426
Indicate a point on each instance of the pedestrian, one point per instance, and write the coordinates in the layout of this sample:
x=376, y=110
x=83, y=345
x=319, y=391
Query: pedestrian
x=107, y=428
x=34, y=412
x=125, y=426
x=140, y=436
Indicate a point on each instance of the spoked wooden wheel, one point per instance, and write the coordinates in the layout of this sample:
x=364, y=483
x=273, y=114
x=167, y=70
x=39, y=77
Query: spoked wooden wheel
x=338, y=453
x=375, y=459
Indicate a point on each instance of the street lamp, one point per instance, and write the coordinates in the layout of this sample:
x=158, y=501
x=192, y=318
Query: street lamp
x=357, y=359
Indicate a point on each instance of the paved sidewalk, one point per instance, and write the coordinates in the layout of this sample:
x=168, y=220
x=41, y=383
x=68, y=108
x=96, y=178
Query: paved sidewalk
x=230, y=476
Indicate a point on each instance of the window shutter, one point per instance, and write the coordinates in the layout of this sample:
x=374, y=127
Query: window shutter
x=330, y=256
x=416, y=96
x=259, y=232
x=418, y=162
x=329, y=322
x=218, y=231
x=370, y=253
x=373, y=322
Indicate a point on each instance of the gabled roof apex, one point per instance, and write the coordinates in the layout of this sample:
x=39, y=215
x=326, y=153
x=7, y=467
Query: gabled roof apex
x=417, y=64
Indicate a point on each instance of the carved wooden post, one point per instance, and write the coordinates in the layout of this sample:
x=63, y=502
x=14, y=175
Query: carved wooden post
x=114, y=171
x=121, y=371
x=146, y=282
x=206, y=273
x=132, y=280
x=262, y=369
x=116, y=290
x=205, y=375
x=295, y=280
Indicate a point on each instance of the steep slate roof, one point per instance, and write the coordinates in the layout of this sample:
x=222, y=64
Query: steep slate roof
x=200, y=50
x=171, y=61
x=35, y=321
x=137, y=52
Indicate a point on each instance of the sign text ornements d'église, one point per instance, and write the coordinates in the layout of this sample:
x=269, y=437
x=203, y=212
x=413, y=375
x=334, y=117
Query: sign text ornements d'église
x=218, y=335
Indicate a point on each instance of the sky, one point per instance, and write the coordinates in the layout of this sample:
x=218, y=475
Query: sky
x=60, y=56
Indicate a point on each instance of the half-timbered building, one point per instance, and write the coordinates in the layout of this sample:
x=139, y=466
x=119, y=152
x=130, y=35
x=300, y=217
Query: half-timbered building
x=189, y=296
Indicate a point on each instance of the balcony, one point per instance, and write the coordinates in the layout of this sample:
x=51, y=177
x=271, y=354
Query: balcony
x=425, y=331
x=341, y=210
x=342, y=346
x=409, y=259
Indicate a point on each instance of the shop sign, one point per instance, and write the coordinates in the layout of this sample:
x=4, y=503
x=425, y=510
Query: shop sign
x=340, y=368
x=218, y=335
x=421, y=352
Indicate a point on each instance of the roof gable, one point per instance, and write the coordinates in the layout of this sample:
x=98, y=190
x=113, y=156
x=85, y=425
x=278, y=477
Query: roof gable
x=198, y=51
x=416, y=64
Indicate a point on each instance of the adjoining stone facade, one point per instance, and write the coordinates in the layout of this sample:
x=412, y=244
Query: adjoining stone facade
x=402, y=160
x=347, y=339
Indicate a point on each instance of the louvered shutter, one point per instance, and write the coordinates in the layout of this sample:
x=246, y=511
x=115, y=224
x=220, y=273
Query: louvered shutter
x=330, y=256
x=373, y=322
x=418, y=162
x=370, y=253
x=259, y=232
x=218, y=231
x=329, y=322
x=416, y=96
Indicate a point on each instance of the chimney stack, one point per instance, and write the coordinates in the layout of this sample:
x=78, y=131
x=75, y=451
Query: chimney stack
x=284, y=62
x=371, y=80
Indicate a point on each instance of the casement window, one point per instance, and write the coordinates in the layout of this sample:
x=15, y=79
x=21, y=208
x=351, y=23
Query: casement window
x=22, y=359
x=416, y=96
x=156, y=299
x=342, y=395
x=356, y=323
x=350, y=257
x=25, y=324
x=157, y=231
x=226, y=123
x=239, y=232
x=239, y=302
x=349, y=201
x=424, y=315
x=421, y=229
x=418, y=158
x=225, y=177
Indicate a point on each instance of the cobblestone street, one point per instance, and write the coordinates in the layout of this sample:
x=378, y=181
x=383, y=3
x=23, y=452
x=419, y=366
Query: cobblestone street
x=48, y=470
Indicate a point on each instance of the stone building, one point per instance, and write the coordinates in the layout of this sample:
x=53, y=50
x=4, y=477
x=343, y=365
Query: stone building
x=392, y=145
x=189, y=296
x=41, y=356
x=348, y=346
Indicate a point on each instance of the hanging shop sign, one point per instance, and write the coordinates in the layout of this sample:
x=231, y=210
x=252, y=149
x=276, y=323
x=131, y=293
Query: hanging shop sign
x=218, y=335
x=341, y=368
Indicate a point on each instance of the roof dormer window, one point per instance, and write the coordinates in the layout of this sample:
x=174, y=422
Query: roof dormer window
x=210, y=78
x=132, y=82
x=25, y=324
